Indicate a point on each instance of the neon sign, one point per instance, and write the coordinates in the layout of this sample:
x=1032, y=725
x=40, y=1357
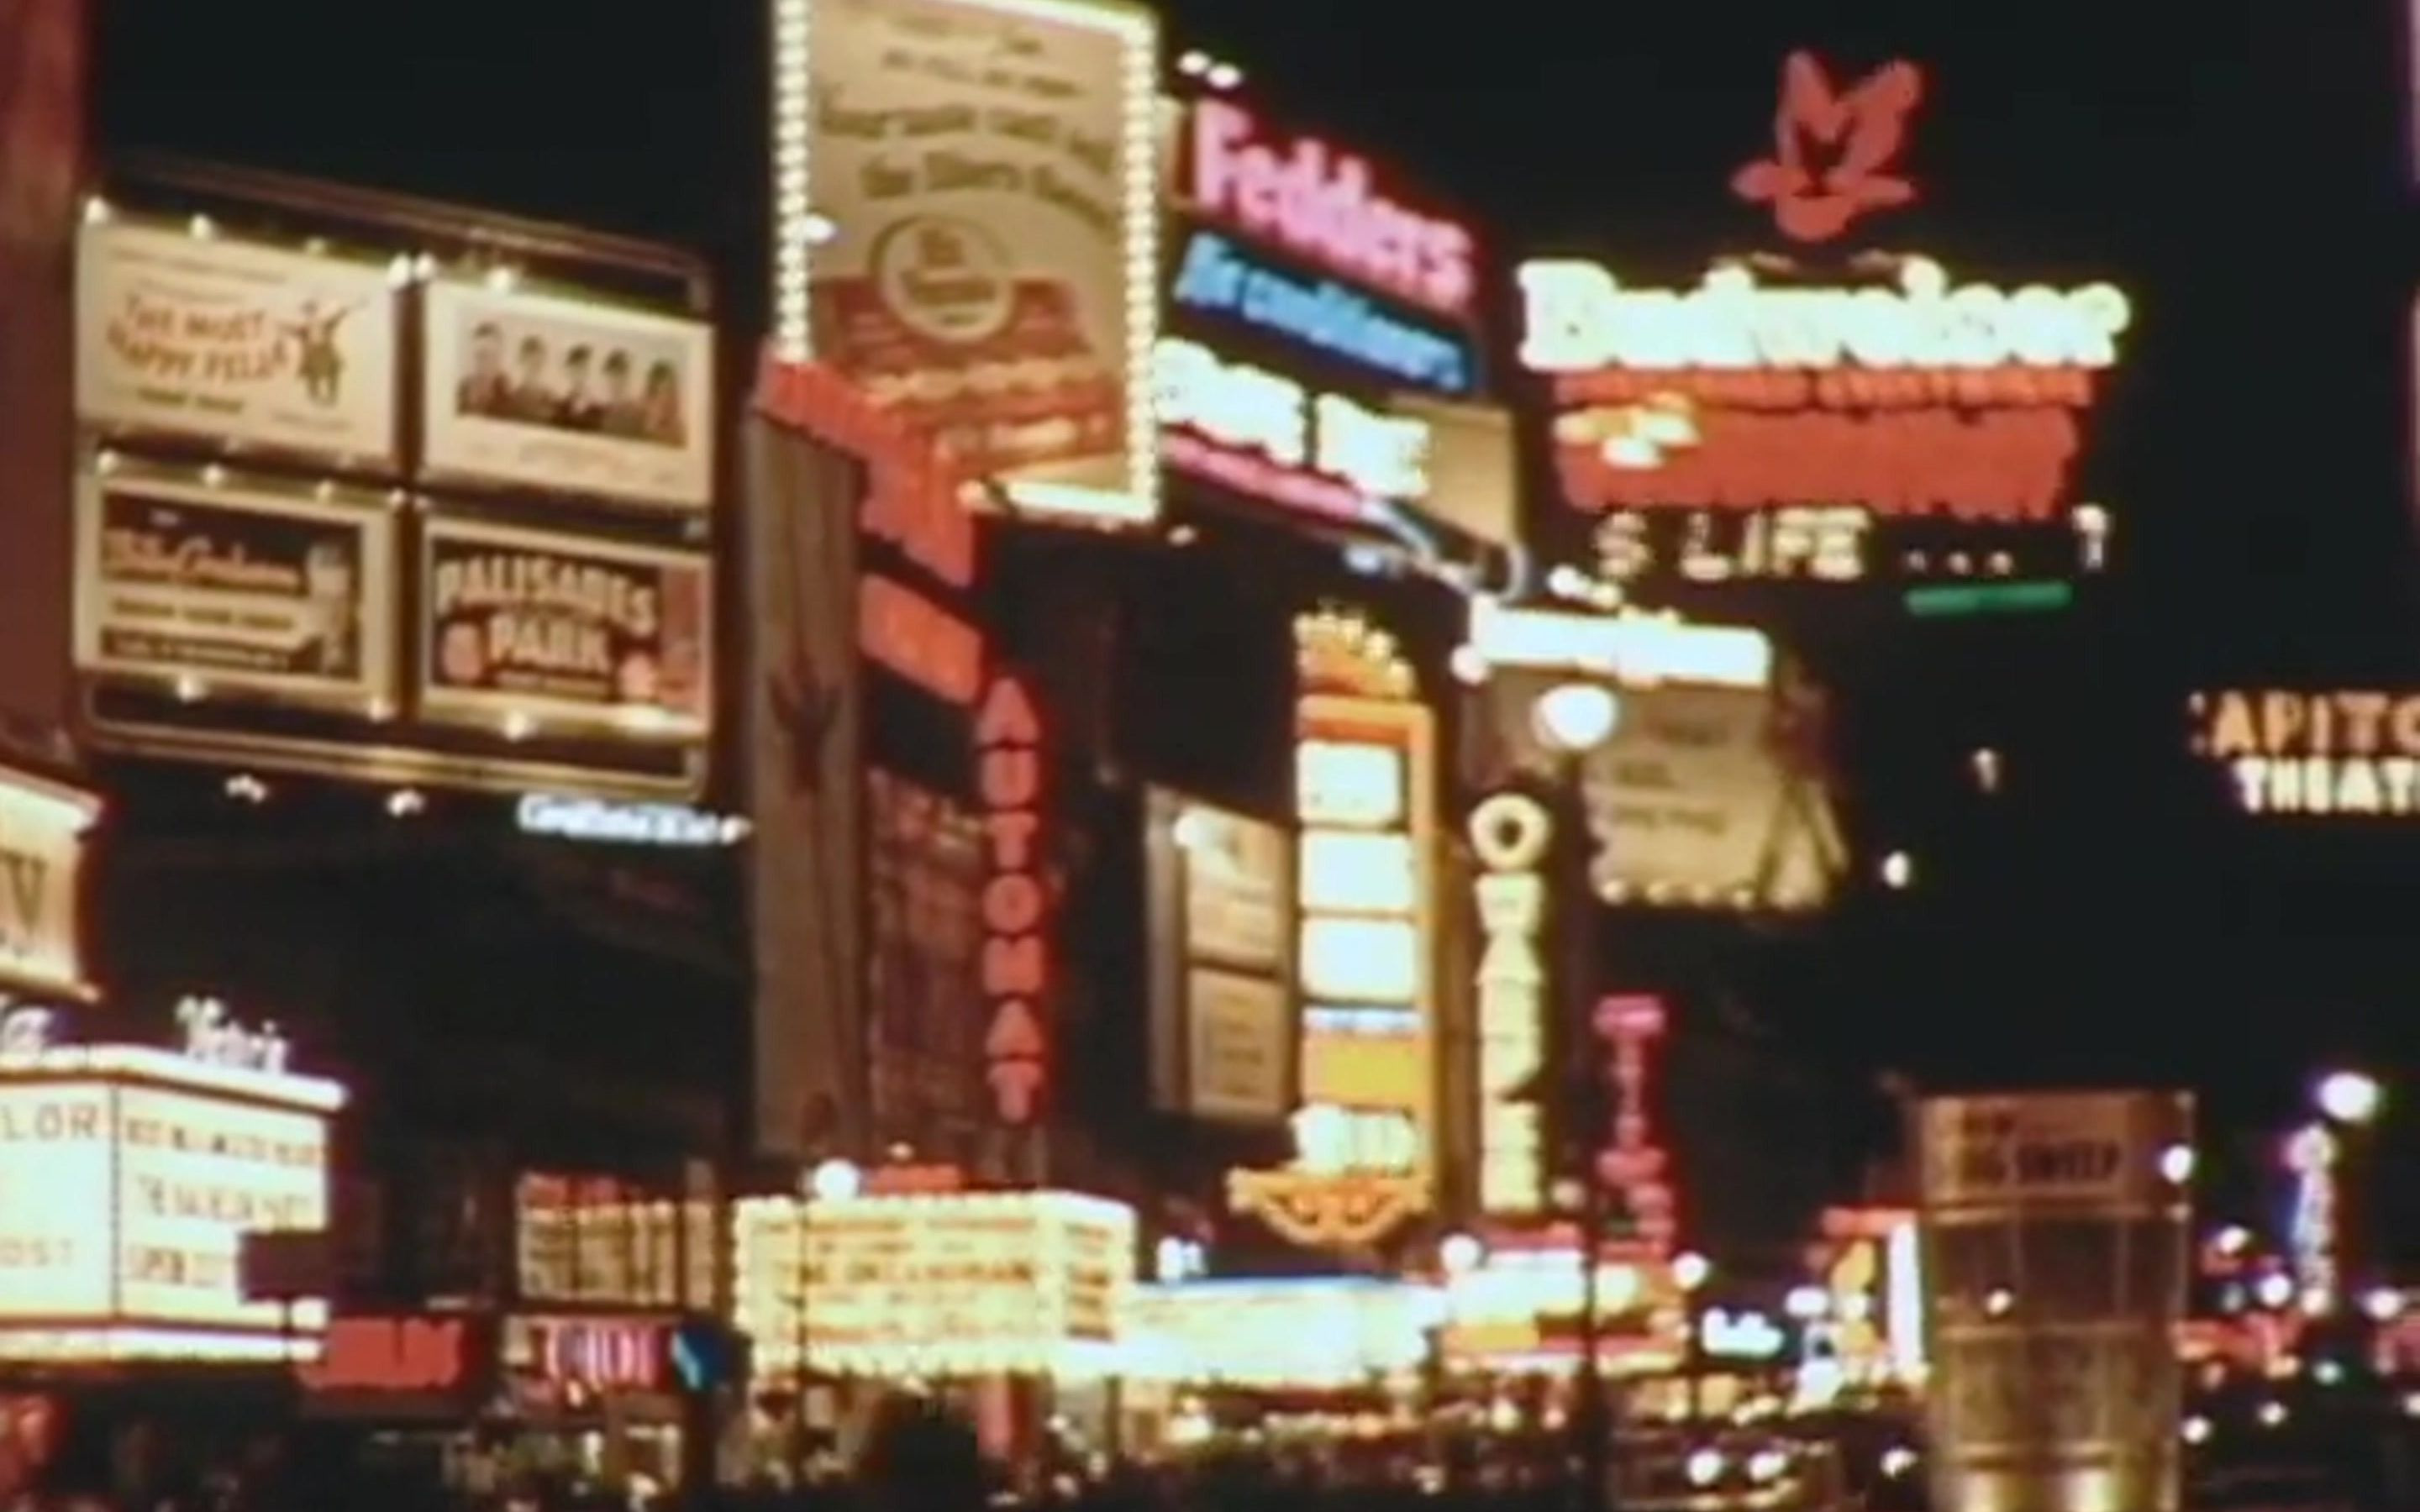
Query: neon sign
x=1322, y=204
x=1247, y=428
x=1633, y=1164
x=1016, y=903
x=1217, y=276
x=1865, y=125
x=1364, y=780
x=215, y=1039
x=1822, y=543
x=392, y=1354
x=1510, y=834
x=2311, y=1157
x=1910, y=399
x=594, y=1356
x=631, y=824
x=1925, y=342
x=2347, y=752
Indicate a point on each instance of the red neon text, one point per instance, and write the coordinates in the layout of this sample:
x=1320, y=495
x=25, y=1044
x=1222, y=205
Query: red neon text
x=916, y=638
x=2009, y=465
x=1249, y=473
x=2009, y=386
x=391, y=1354
x=911, y=495
x=1015, y=899
x=1633, y=1164
x=600, y=1356
x=1319, y=203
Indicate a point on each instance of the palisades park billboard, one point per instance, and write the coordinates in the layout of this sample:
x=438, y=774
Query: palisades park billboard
x=364, y=511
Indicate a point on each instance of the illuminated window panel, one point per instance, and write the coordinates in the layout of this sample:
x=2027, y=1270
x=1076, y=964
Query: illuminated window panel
x=1360, y=960
x=1356, y=786
x=1357, y=873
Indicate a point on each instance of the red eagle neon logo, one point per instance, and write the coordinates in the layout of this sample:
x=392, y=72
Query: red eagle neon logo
x=1862, y=127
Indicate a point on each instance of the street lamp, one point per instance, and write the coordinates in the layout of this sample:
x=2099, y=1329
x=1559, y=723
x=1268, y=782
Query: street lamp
x=1570, y=721
x=2351, y=1098
x=828, y=1181
x=1691, y=1271
x=1573, y=718
x=2329, y=1158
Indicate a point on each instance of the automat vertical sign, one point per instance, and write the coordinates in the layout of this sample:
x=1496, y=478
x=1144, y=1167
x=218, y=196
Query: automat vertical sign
x=1015, y=899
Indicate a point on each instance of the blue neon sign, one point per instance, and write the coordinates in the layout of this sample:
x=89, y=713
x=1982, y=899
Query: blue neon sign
x=1320, y=312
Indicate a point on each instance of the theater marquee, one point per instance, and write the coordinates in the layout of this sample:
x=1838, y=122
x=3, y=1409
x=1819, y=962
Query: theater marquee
x=2343, y=751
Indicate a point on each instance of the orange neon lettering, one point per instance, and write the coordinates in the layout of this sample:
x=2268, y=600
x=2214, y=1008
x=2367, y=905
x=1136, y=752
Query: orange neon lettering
x=922, y=642
x=911, y=498
x=2008, y=465
x=390, y=1354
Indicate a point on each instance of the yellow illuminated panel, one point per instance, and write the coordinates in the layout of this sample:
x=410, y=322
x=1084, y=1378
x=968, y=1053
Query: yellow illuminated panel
x=938, y=1284
x=1365, y=779
x=1365, y=1070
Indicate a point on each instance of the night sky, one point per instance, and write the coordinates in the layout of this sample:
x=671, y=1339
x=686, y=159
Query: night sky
x=2242, y=177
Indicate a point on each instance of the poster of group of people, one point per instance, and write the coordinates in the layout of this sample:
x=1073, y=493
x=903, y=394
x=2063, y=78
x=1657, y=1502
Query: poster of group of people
x=478, y=582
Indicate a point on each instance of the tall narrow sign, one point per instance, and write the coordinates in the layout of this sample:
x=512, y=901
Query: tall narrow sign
x=1015, y=900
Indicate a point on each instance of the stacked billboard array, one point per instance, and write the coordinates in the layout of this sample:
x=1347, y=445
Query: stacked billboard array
x=354, y=514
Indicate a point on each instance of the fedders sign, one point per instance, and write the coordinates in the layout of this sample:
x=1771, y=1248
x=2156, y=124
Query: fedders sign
x=42, y=826
x=1325, y=206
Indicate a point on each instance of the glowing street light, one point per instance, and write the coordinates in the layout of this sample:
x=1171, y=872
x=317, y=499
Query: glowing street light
x=2350, y=1096
x=1574, y=719
x=1458, y=1255
x=835, y=1180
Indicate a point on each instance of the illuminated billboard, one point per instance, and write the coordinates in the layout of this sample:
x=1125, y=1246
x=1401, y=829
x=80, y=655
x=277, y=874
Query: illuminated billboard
x=43, y=828
x=1709, y=792
x=262, y=578
x=1324, y=359
x=1294, y=235
x=965, y=226
x=2347, y=752
x=1221, y=898
x=1874, y=416
x=129, y=1176
x=947, y=1283
x=2055, y=1246
x=1365, y=1124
